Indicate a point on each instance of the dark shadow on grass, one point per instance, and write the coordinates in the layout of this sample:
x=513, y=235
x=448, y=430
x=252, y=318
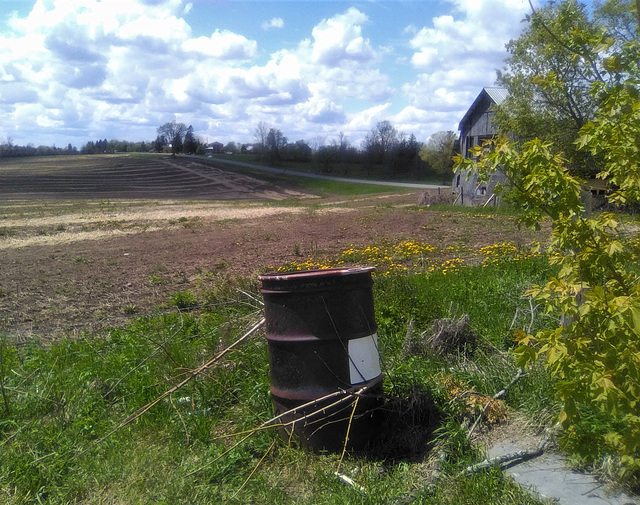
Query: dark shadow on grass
x=407, y=427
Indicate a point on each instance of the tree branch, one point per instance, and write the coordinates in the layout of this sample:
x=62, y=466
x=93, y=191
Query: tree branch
x=565, y=46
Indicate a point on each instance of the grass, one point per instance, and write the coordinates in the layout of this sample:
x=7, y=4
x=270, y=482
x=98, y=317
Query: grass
x=347, y=170
x=339, y=188
x=62, y=399
x=318, y=186
x=184, y=300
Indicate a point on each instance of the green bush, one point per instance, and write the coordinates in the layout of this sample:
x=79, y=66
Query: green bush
x=594, y=353
x=184, y=300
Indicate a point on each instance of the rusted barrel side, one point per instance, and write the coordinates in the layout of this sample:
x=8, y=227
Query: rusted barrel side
x=322, y=339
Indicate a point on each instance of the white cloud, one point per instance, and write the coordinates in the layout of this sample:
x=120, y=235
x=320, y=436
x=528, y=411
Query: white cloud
x=423, y=123
x=277, y=23
x=100, y=64
x=338, y=40
x=367, y=119
x=223, y=45
x=322, y=111
x=92, y=68
x=459, y=53
x=16, y=92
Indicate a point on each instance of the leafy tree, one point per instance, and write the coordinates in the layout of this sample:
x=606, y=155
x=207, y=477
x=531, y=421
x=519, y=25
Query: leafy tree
x=344, y=152
x=404, y=155
x=298, y=151
x=275, y=143
x=380, y=141
x=327, y=157
x=595, y=352
x=173, y=133
x=159, y=143
x=190, y=141
x=260, y=135
x=620, y=19
x=9, y=149
x=88, y=148
x=438, y=153
x=549, y=79
x=231, y=147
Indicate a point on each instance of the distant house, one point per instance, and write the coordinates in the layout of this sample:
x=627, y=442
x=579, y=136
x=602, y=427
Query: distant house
x=215, y=147
x=476, y=126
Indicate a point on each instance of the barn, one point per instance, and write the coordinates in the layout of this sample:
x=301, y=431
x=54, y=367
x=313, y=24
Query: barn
x=476, y=126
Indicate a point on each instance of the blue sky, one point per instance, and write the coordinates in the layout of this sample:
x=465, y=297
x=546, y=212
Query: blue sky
x=79, y=70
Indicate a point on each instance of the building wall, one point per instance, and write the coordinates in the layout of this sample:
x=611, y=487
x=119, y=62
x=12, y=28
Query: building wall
x=479, y=125
x=476, y=128
x=469, y=192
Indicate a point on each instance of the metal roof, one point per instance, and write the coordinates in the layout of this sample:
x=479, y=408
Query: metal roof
x=497, y=95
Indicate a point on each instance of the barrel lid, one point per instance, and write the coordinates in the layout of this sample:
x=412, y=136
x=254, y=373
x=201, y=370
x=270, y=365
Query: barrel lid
x=308, y=279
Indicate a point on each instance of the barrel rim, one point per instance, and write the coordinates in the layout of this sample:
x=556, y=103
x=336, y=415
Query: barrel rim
x=317, y=273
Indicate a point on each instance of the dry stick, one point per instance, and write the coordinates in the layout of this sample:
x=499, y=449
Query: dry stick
x=36, y=395
x=162, y=345
x=141, y=411
x=346, y=437
x=271, y=423
x=344, y=478
x=255, y=468
x=220, y=456
x=186, y=431
x=349, y=481
x=533, y=314
x=487, y=463
x=495, y=397
x=227, y=391
x=155, y=384
x=12, y=436
x=515, y=318
x=151, y=355
x=506, y=459
x=252, y=297
x=4, y=393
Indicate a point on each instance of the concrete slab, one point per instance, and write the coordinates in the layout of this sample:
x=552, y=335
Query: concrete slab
x=550, y=477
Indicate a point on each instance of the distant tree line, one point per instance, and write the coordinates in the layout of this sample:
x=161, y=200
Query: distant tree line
x=114, y=146
x=385, y=152
x=177, y=138
x=10, y=150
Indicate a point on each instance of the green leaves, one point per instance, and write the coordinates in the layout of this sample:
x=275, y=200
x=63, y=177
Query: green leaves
x=594, y=352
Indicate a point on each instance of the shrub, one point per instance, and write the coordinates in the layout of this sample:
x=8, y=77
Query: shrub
x=594, y=353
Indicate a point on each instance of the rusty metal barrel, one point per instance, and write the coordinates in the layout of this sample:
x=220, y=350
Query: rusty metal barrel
x=323, y=342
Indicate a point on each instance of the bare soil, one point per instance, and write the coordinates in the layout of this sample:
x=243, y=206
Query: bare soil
x=80, y=263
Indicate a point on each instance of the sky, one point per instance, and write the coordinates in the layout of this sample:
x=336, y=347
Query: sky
x=78, y=70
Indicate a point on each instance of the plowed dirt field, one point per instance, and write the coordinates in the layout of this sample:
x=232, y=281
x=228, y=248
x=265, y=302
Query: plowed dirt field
x=93, y=243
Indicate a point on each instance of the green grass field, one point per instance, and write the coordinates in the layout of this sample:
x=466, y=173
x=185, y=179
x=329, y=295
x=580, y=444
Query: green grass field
x=62, y=405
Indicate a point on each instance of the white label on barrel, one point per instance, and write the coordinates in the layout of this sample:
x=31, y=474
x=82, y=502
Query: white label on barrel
x=364, y=360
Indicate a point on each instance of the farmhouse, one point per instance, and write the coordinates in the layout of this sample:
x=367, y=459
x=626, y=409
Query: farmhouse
x=214, y=147
x=476, y=126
